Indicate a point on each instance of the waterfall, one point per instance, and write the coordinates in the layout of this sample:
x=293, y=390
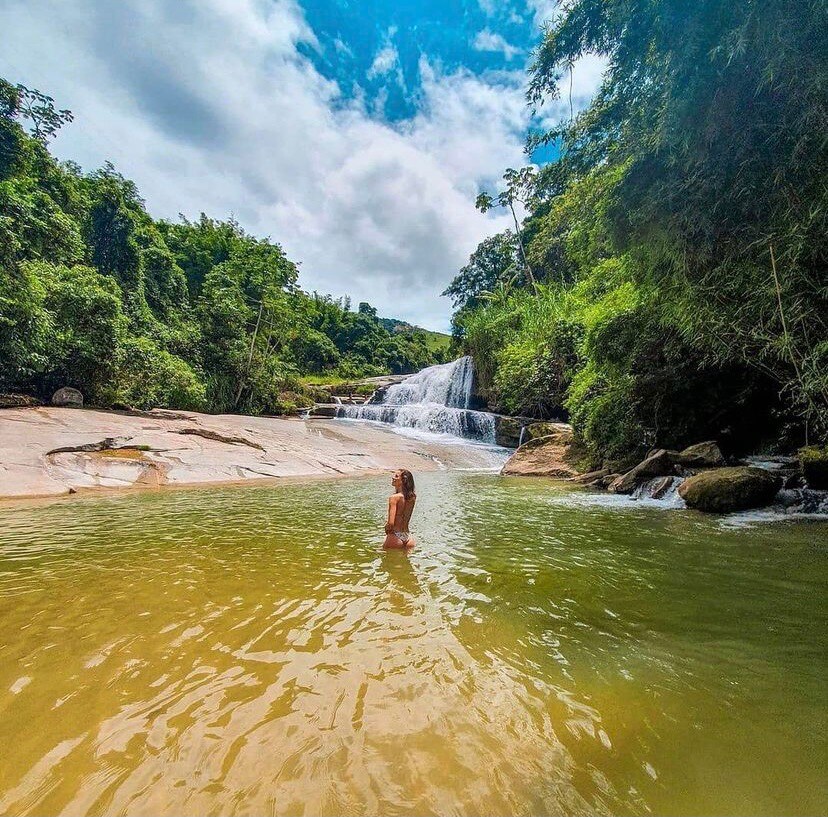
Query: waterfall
x=436, y=399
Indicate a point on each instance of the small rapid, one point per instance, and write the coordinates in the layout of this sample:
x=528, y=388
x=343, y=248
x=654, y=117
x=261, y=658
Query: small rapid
x=437, y=400
x=662, y=490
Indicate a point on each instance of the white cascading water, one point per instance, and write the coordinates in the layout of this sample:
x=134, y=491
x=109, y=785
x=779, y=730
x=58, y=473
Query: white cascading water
x=436, y=399
x=663, y=490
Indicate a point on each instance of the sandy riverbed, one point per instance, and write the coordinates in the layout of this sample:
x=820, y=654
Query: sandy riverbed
x=180, y=448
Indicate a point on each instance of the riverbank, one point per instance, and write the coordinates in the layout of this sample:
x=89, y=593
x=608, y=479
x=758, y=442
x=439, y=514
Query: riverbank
x=49, y=451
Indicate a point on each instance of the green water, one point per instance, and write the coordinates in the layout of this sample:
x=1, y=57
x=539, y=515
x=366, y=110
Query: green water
x=251, y=651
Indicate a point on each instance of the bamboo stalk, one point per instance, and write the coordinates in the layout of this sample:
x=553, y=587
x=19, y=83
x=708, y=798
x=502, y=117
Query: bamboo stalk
x=520, y=244
x=249, y=357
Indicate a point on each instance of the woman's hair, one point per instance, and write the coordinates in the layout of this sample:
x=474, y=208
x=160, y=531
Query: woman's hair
x=407, y=480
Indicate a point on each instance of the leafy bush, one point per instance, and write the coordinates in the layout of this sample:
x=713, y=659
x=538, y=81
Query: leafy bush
x=88, y=327
x=150, y=377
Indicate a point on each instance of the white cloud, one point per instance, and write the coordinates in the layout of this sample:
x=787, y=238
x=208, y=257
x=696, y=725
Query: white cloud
x=342, y=48
x=488, y=41
x=208, y=107
x=384, y=61
x=543, y=11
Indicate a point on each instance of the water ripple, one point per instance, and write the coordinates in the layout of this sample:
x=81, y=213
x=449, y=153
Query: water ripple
x=253, y=650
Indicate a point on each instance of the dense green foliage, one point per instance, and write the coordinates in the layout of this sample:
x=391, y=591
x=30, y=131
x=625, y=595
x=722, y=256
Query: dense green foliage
x=680, y=243
x=96, y=294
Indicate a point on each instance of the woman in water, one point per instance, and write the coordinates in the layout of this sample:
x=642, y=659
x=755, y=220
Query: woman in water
x=400, y=505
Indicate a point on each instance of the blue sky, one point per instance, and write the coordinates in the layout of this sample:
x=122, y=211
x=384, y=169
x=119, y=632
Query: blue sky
x=373, y=50
x=357, y=134
x=375, y=47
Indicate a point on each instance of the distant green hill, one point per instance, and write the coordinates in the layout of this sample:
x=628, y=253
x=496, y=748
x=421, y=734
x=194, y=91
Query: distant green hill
x=436, y=341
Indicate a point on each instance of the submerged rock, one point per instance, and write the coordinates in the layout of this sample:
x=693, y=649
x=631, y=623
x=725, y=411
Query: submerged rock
x=68, y=397
x=543, y=457
x=723, y=490
x=803, y=500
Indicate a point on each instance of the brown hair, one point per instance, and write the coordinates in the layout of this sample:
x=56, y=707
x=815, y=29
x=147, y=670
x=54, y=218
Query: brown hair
x=407, y=480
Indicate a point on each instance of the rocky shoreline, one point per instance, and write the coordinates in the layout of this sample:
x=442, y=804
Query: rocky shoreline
x=701, y=475
x=52, y=451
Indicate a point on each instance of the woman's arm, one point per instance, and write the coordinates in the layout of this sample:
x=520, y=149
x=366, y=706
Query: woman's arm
x=393, y=503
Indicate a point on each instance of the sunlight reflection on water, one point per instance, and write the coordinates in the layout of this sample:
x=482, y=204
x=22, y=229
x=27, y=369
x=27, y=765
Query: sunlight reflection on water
x=252, y=650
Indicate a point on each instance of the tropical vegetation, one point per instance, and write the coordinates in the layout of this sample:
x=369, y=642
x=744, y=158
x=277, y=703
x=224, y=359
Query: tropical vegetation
x=669, y=282
x=96, y=294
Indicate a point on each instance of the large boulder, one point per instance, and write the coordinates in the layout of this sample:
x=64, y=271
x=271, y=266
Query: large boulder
x=661, y=463
x=67, y=396
x=543, y=457
x=702, y=455
x=723, y=490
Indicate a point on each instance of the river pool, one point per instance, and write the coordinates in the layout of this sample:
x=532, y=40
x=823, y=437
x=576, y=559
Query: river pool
x=251, y=651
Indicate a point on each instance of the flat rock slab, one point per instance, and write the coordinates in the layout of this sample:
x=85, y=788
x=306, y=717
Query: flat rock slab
x=48, y=451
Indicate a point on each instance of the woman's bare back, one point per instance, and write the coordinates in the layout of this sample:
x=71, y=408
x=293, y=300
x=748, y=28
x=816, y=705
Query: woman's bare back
x=400, y=508
x=404, y=511
x=397, y=534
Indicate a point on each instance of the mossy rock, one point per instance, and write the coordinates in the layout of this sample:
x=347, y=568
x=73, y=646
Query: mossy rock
x=814, y=463
x=349, y=389
x=723, y=490
x=706, y=454
x=318, y=394
x=290, y=402
x=535, y=430
x=507, y=431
